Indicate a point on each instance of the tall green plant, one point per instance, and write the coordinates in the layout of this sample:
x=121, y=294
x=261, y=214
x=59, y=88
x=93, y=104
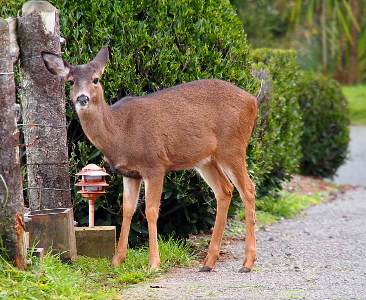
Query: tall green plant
x=335, y=23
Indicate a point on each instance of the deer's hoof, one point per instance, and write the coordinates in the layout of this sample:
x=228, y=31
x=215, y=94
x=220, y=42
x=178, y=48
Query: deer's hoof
x=244, y=270
x=154, y=268
x=116, y=261
x=205, y=269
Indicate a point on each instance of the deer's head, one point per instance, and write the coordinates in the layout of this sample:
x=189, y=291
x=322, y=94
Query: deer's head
x=85, y=88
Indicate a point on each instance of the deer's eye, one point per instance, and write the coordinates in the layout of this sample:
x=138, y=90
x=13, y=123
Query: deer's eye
x=95, y=81
x=71, y=82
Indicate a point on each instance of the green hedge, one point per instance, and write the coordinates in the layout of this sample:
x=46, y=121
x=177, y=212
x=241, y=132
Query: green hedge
x=325, y=135
x=155, y=45
x=279, y=125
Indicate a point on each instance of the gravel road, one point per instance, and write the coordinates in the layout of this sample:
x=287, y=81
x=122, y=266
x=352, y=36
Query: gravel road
x=319, y=256
x=353, y=171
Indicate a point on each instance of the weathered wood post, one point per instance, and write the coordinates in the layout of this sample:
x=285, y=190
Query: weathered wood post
x=43, y=105
x=11, y=190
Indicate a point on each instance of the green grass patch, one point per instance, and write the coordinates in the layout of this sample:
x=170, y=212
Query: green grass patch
x=86, y=278
x=287, y=205
x=280, y=205
x=356, y=96
x=264, y=217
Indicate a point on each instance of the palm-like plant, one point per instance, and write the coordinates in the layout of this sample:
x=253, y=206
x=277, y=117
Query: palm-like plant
x=338, y=22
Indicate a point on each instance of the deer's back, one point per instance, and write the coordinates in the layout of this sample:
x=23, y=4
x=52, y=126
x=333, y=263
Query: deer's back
x=208, y=99
x=184, y=124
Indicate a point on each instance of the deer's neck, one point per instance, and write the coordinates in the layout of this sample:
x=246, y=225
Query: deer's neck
x=98, y=125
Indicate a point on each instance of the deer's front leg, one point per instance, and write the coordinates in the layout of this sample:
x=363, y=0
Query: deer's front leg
x=153, y=190
x=131, y=189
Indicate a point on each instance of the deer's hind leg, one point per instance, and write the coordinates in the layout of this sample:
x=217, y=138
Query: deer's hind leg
x=214, y=176
x=153, y=190
x=237, y=172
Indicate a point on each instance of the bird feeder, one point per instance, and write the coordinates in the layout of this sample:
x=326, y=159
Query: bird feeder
x=93, y=186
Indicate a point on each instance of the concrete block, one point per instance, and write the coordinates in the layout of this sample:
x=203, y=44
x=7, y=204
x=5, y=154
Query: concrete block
x=53, y=228
x=36, y=252
x=98, y=241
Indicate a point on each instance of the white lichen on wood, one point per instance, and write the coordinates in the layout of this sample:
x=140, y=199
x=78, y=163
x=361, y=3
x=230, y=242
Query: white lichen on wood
x=47, y=11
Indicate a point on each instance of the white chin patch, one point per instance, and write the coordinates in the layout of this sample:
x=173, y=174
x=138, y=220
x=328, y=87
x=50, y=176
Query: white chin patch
x=80, y=107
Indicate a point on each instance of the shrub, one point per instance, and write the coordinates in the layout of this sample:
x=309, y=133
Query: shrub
x=326, y=119
x=154, y=45
x=278, y=129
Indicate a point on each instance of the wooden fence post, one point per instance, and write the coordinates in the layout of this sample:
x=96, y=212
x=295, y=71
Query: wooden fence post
x=44, y=115
x=12, y=236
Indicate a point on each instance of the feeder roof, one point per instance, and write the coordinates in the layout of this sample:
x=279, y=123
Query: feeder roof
x=92, y=170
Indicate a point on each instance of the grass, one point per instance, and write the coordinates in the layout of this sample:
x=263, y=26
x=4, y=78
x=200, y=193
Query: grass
x=356, y=96
x=86, y=278
x=281, y=205
x=286, y=205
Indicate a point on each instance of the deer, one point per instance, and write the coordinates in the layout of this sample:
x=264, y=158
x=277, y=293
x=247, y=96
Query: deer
x=203, y=125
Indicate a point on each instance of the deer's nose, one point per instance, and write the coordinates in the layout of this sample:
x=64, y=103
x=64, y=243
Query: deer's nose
x=82, y=100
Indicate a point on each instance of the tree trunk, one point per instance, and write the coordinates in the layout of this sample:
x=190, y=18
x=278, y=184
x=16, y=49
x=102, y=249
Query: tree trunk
x=11, y=190
x=324, y=35
x=353, y=63
x=44, y=115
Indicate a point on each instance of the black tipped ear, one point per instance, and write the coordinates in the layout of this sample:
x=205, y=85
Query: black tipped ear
x=102, y=57
x=55, y=64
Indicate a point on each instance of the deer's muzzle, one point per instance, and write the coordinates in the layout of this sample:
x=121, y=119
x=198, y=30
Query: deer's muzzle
x=82, y=100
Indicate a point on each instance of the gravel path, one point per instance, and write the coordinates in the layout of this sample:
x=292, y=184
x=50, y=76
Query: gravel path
x=353, y=171
x=321, y=255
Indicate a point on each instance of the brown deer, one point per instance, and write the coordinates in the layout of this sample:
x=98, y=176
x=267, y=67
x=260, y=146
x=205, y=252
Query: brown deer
x=204, y=124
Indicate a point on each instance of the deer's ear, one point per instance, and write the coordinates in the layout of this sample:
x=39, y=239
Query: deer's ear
x=55, y=64
x=102, y=58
